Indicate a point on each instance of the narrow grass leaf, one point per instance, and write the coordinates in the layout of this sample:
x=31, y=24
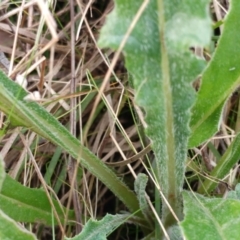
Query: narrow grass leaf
x=220, y=79
x=158, y=57
x=210, y=218
x=224, y=165
x=29, y=205
x=31, y=115
x=53, y=163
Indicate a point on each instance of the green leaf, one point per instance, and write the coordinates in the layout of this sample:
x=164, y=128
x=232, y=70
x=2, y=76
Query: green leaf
x=157, y=56
x=31, y=115
x=99, y=230
x=30, y=205
x=210, y=218
x=175, y=233
x=10, y=230
x=140, y=185
x=219, y=80
x=2, y=172
x=235, y=194
x=224, y=165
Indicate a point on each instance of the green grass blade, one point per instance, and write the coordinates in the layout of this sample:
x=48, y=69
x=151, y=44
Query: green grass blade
x=219, y=80
x=224, y=165
x=51, y=167
x=35, y=117
x=61, y=178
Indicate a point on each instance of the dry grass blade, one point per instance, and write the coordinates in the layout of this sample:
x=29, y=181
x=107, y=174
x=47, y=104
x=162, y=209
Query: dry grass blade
x=43, y=48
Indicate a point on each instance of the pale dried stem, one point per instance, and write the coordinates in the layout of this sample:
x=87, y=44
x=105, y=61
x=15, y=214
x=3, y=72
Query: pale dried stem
x=42, y=182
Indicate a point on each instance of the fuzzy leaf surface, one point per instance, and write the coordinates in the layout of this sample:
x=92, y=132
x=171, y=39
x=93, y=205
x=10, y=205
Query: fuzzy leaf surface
x=210, y=218
x=31, y=115
x=99, y=230
x=220, y=79
x=157, y=56
x=140, y=185
x=235, y=194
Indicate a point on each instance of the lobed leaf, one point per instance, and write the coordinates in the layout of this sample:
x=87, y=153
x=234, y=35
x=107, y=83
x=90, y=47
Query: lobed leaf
x=99, y=230
x=157, y=56
x=140, y=185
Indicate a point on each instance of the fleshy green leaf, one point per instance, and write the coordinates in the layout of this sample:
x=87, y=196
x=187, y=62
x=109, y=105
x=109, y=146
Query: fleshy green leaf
x=30, y=205
x=10, y=230
x=31, y=115
x=157, y=56
x=219, y=80
x=210, y=218
x=99, y=230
